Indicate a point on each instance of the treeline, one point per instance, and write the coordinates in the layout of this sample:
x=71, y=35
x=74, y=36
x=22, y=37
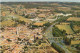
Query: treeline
x=57, y=32
x=67, y=41
x=19, y=22
x=58, y=48
x=72, y=3
x=62, y=19
x=77, y=23
x=59, y=11
x=76, y=14
x=44, y=25
x=30, y=4
x=78, y=47
x=71, y=25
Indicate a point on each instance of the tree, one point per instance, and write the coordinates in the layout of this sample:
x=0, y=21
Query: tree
x=22, y=22
x=47, y=24
x=59, y=49
x=9, y=40
x=2, y=28
x=19, y=39
x=39, y=42
x=64, y=33
x=78, y=47
x=67, y=41
x=25, y=48
x=57, y=32
x=27, y=16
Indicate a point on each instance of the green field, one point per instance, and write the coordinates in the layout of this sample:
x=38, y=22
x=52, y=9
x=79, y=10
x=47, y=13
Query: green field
x=76, y=28
x=22, y=18
x=67, y=28
x=11, y=22
x=7, y=23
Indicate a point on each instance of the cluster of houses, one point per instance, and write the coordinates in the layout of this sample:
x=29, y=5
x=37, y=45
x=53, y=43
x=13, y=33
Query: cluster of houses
x=13, y=39
x=17, y=37
x=32, y=12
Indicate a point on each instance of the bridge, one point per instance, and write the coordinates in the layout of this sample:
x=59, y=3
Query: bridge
x=55, y=38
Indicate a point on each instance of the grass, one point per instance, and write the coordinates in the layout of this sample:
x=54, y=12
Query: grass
x=70, y=49
x=75, y=42
x=7, y=23
x=11, y=22
x=67, y=28
x=76, y=28
x=73, y=19
x=40, y=23
x=22, y=18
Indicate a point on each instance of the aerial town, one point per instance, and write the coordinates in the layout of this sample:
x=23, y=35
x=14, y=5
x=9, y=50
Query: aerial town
x=40, y=27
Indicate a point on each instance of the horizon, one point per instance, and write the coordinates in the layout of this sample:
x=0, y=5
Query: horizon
x=40, y=1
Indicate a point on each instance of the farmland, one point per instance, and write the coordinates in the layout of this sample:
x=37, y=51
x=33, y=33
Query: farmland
x=40, y=23
x=73, y=19
x=22, y=18
x=12, y=21
x=76, y=27
x=75, y=42
x=7, y=23
x=67, y=28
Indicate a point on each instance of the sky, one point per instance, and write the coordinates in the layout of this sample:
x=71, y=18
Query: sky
x=39, y=0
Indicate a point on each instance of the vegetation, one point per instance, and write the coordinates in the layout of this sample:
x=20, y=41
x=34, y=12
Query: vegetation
x=75, y=26
x=19, y=39
x=10, y=21
x=67, y=41
x=57, y=32
x=25, y=48
x=20, y=18
x=9, y=40
x=62, y=19
x=59, y=11
x=7, y=23
x=59, y=49
x=76, y=29
x=21, y=22
x=44, y=25
x=73, y=19
x=14, y=13
x=34, y=26
x=47, y=24
x=73, y=41
x=76, y=23
x=78, y=47
x=67, y=28
x=71, y=25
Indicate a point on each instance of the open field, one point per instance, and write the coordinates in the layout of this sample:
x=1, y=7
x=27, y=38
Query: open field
x=11, y=22
x=76, y=27
x=40, y=23
x=7, y=23
x=22, y=18
x=73, y=19
x=75, y=42
x=71, y=49
x=67, y=28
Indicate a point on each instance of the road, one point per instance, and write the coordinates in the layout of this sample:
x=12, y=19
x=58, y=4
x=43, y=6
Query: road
x=48, y=33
